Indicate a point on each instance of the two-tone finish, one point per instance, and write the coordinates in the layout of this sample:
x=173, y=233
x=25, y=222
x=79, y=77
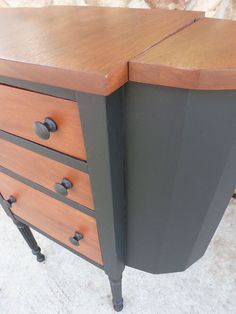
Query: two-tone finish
x=117, y=133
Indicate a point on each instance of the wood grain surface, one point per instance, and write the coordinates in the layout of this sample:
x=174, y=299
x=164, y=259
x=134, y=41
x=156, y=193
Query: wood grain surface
x=202, y=56
x=20, y=109
x=53, y=217
x=46, y=172
x=81, y=48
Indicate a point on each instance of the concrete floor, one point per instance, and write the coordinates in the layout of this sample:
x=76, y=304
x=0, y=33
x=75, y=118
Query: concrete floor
x=66, y=284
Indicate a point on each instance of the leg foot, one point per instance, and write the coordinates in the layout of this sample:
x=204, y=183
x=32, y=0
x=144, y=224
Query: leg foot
x=116, y=289
x=29, y=238
x=118, y=307
x=39, y=255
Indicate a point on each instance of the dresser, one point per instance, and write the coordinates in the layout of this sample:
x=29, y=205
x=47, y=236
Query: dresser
x=117, y=133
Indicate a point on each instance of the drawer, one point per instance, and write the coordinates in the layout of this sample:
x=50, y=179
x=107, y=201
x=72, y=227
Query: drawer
x=20, y=109
x=46, y=172
x=56, y=219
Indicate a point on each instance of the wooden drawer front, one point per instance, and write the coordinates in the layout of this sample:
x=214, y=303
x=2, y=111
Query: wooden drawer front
x=20, y=109
x=53, y=217
x=46, y=172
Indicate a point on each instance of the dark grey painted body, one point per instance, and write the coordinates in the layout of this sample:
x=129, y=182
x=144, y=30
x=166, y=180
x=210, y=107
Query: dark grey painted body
x=180, y=173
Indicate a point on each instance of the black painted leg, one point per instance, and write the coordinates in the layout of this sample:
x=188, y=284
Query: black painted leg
x=116, y=289
x=29, y=238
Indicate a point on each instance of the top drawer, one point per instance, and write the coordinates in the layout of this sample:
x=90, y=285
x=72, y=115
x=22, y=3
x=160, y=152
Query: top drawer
x=20, y=109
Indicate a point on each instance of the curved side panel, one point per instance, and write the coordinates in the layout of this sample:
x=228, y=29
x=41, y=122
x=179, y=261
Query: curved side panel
x=180, y=173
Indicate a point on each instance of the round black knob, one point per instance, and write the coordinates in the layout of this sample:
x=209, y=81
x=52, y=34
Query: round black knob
x=43, y=129
x=10, y=201
x=63, y=187
x=76, y=238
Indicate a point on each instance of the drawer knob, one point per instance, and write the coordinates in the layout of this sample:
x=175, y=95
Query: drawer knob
x=63, y=187
x=76, y=238
x=11, y=200
x=43, y=129
x=8, y=203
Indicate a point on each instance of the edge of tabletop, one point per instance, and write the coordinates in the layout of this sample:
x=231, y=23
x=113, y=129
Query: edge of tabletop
x=88, y=82
x=99, y=83
x=142, y=70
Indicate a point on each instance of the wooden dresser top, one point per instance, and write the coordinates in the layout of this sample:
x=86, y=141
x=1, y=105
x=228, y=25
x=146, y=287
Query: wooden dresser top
x=81, y=48
x=201, y=56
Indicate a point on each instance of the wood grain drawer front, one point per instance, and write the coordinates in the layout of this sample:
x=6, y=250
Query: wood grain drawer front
x=46, y=172
x=58, y=220
x=20, y=109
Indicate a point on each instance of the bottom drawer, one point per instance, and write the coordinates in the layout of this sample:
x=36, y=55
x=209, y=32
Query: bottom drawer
x=58, y=220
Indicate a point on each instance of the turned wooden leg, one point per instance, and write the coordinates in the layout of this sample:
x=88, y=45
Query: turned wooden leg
x=116, y=290
x=29, y=238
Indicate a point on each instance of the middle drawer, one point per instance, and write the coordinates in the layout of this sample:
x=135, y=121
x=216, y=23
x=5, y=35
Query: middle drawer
x=46, y=172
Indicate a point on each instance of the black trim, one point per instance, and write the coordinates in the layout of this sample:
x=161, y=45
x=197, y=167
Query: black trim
x=50, y=193
x=47, y=152
x=40, y=88
x=102, y=124
x=58, y=242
